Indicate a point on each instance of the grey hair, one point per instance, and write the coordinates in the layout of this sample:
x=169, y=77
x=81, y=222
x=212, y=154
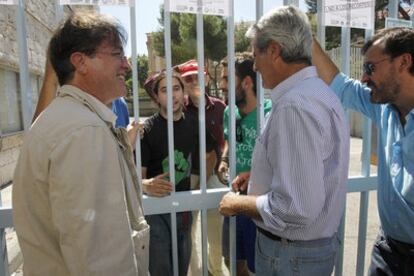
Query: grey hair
x=289, y=27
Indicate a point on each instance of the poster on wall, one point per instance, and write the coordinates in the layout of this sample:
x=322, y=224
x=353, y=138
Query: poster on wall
x=126, y=3
x=207, y=7
x=349, y=13
x=9, y=2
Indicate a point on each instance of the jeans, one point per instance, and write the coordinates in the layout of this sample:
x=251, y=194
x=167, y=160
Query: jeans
x=160, y=258
x=316, y=257
x=390, y=257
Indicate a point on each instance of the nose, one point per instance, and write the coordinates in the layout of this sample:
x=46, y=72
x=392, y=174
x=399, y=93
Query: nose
x=365, y=78
x=125, y=64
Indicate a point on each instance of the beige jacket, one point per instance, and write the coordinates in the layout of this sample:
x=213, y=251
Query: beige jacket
x=76, y=199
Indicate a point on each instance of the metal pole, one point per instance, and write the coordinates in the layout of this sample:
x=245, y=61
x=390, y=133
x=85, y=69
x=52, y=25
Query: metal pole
x=202, y=132
x=393, y=8
x=135, y=83
x=24, y=75
x=167, y=39
x=364, y=197
x=259, y=88
x=291, y=3
x=232, y=124
x=321, y=23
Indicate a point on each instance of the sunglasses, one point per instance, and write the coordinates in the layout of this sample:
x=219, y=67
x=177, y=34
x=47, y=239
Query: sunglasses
x=369, y=67
x=239, y=131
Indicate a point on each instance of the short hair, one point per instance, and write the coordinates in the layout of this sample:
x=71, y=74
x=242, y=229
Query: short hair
x=82, y=32
x=244, y=67
x=289, y=27
x=397, y=41
x=152, y=83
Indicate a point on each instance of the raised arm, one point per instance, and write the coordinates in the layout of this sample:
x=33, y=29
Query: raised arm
x=48, y=90
x=327, y=70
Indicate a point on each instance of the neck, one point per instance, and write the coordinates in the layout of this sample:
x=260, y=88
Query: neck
x=177, y=115
x=195, y=101
x=405, y=99
x=285, y=70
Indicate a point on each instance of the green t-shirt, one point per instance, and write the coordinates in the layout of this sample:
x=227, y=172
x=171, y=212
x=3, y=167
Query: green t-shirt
x=246, y=130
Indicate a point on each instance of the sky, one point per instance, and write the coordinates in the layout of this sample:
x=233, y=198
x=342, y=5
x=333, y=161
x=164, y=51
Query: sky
x=147, y=14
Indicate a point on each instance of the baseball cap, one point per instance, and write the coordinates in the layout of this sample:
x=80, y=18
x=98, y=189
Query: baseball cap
x=188, y=68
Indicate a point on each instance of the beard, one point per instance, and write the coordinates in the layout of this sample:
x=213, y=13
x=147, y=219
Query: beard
x=384, y=92
x=240, y=97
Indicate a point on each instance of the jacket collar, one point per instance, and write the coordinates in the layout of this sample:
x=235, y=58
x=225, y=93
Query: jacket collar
x=90, y=101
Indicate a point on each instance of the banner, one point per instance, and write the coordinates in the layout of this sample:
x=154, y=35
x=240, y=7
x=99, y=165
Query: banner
x=207, y=7
x=126, y=3
x=395, y=22
x=349, y=13
x=9, y=2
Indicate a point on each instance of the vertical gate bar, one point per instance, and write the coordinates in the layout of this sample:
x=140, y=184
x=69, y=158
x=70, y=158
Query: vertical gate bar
x=393, y=8
x=340, y=256
x=364, y=197
x=135, y=91
x=321, y=23
x=259, y=88
x=232, y=124
x=291, y=3
x=167, y=43
x=24, y=75
x=4, y=261
x=202, y=133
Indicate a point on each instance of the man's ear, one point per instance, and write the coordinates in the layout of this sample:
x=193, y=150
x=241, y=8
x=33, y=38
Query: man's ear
x=78, y=61
x=406, y=62
x=274, y=49
x=247, y=82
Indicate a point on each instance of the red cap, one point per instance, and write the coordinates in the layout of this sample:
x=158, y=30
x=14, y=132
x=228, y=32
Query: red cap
x=189, y=68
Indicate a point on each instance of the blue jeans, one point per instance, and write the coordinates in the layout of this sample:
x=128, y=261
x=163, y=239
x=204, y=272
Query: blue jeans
x=160, y=249
x=316, y=257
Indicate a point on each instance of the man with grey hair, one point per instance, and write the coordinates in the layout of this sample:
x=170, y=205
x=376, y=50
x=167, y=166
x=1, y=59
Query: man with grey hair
x=297, y=185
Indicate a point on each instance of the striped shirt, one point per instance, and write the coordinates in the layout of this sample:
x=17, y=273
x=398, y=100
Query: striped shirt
x=300, y=161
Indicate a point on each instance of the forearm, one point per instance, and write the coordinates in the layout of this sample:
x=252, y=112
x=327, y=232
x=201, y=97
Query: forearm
x=327, y=70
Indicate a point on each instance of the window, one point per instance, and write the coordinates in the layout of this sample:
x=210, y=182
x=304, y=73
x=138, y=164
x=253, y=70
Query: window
x=11, y=118
x=10, y=102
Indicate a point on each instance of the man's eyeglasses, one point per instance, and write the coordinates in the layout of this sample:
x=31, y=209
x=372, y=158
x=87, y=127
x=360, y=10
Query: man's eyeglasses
x=369, y=67
x=239, y=131
x=118, y=54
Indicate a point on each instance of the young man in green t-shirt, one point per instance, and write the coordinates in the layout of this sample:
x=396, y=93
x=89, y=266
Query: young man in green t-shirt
x=246, y=132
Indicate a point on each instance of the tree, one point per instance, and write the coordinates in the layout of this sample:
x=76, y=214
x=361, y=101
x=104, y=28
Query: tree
x=142, y=66
x=184, y=37
x=241, y=42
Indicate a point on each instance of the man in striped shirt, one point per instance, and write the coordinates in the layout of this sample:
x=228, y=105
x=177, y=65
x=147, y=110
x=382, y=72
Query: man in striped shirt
x=297, y=186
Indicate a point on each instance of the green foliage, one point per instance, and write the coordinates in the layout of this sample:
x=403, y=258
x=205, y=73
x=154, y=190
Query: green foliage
x=142, y=65
x=241, y=42
x=184, y=37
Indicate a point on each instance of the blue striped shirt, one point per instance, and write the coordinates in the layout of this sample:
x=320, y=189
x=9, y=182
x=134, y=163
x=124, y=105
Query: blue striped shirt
x=300, y=161
x=395, y=157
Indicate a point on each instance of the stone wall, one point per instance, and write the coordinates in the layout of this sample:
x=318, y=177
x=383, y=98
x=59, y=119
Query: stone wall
x=42, y=17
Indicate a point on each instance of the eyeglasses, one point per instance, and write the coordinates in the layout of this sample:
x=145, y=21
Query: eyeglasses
x=239, y=131
x=118, y=54
x=369, y=67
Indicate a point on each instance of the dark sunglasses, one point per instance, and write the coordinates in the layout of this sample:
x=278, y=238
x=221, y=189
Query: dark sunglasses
x=369, y=67
x=239, y=131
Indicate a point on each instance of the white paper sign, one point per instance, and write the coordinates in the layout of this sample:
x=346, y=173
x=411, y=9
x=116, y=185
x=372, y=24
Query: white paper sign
x=8, y=2
x=395, y=22
x=126, y=3
x=349, y=13
x=208, y=7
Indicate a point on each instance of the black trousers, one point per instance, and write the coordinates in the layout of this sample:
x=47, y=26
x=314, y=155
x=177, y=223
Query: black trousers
x=391, y=257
